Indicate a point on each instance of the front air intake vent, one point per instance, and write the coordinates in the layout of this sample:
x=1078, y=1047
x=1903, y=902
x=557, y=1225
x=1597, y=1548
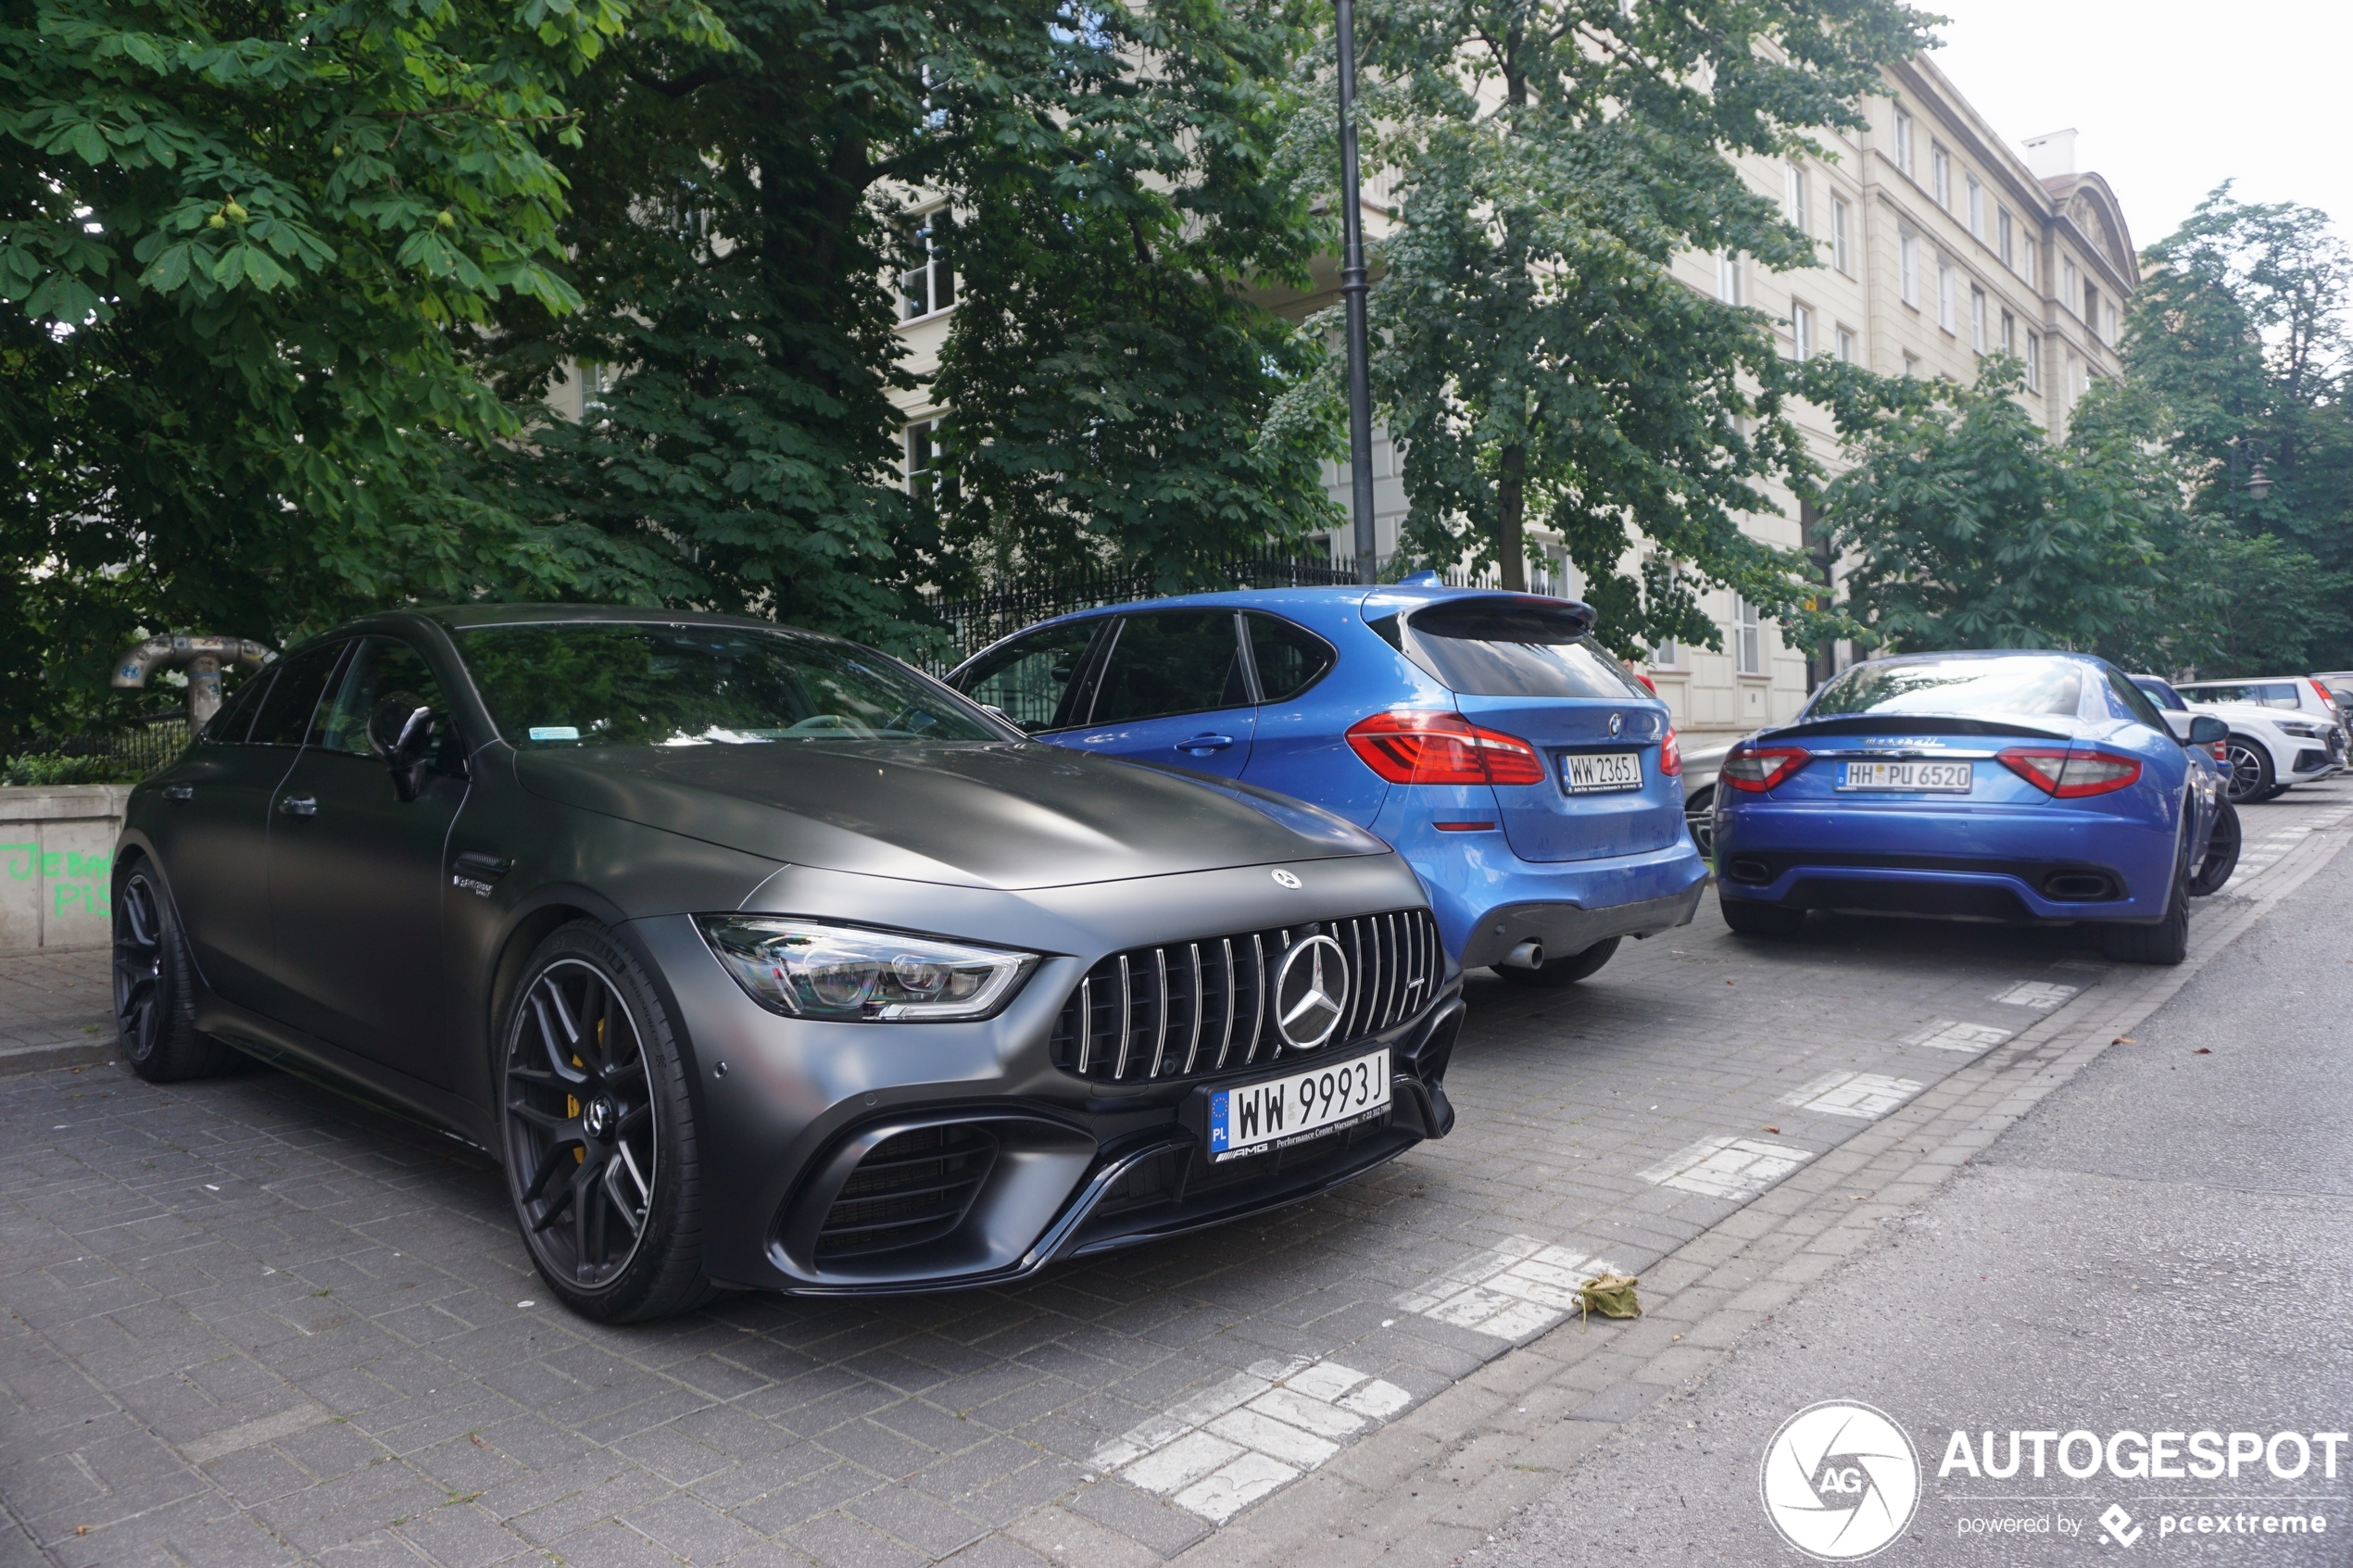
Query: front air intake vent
x=1191, y=1009
x=911, y=1187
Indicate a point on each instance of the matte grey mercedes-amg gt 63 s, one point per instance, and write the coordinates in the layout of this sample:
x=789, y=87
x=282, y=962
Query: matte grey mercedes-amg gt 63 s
x=759, y=959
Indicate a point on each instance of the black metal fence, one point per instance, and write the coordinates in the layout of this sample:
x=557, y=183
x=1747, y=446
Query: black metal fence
x=976, y=623
x=123, y=754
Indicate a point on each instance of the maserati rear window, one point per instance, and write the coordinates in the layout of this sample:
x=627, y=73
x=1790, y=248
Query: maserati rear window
x=2019, y=684
x=593, y=684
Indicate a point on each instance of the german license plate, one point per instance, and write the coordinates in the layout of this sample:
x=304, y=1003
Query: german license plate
x=1587, y=772
x=1277, y=1113
x=1943, y=778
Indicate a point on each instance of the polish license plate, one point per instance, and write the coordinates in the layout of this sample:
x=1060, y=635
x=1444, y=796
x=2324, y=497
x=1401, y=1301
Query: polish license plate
x=1588, y=772
x=1277, y=1113
x=1942, y=778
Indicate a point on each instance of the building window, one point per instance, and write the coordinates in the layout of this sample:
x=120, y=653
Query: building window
x=2107, y=325
x=2003, y=231
x=929, y=286
x=2068, y=296
x=1907, y=268
x=1799, y=200
x=1947, y=295
x=2009, y=333
x=2035, y=361
x=1748, y=639
x=1976, y=207
x=1845, y=345
x=1911, y=364
x=1940, y=176
x=2034, y=249
x=1842, y=251
x=1801, y=332
x=1977, y=319
x=1904, y=141
x=926, y=439
x=1727, y=277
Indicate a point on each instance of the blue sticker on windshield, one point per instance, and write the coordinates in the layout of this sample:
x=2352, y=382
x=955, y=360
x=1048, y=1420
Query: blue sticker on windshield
x=555, y=732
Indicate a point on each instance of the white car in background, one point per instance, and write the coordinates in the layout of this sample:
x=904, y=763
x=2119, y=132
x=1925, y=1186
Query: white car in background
x=2276, y=740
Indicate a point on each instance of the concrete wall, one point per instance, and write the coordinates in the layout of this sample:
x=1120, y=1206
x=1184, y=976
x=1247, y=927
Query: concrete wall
x=56, y=865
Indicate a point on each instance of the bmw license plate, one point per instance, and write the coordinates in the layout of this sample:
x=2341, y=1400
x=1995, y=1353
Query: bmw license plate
x=1942, y=778
x=1277, y=1113
x=1586, y=772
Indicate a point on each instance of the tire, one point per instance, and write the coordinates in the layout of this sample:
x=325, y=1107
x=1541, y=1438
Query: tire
x=155, y=988
x=1699, y=820
x=1748, y=918
x=1558, y=973
x=2252, y=776
x=2167, y=942
x=602, y=1163
x=2222, y=854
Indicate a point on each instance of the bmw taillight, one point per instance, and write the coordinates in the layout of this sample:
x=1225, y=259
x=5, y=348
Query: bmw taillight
x=1442, y=748
x=2071, y=775
x=1670, y=755
x=1758, y=771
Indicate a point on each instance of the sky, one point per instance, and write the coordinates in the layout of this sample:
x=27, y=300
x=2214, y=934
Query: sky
x=2169, y=99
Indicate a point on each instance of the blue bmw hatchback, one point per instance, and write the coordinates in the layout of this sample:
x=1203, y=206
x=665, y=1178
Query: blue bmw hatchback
x=1487, y=735
x=2020, y=787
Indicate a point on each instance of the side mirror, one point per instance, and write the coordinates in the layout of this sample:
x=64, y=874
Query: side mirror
x=400, y=733
x=2207, y=730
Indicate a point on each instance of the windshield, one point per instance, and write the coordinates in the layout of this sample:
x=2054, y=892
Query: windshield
x=2025, y=684
x=597, y=684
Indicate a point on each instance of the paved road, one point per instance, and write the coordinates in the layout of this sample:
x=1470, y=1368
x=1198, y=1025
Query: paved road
x=251, y=1324
x=2162, y=1245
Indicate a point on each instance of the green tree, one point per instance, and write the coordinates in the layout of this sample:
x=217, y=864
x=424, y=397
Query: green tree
x=2239, y=327
x=1536, y=358
x=1966, y=527
x=235, y=240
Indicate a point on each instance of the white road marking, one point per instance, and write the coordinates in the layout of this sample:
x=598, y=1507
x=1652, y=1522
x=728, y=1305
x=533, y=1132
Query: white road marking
x=1868, y=1096
x=1520, y=1287
x=1727, y=1167
x=2040, y=994
x=1950, y=1035
x=1225, y=1448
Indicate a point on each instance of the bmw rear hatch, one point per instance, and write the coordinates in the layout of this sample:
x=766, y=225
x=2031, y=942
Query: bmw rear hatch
x=1528, y=669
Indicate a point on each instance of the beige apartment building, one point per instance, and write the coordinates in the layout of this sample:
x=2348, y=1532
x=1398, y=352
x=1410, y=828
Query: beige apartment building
x=1940, y=243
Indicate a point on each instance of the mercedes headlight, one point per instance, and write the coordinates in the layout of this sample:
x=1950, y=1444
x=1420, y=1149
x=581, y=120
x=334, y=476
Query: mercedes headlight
x=815, y=969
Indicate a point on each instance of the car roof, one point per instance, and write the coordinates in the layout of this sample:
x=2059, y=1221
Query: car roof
x=1374, y=600
x=459, y=617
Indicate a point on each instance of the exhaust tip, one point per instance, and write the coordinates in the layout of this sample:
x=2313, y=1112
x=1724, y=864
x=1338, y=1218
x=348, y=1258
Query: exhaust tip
x=1527, y=954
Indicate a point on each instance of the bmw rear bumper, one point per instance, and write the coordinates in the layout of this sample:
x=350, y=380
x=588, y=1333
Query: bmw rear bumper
x=1489, y=901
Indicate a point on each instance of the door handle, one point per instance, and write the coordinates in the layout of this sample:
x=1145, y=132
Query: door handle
x=1204, y=743
x=299, y=806
x=183, y=793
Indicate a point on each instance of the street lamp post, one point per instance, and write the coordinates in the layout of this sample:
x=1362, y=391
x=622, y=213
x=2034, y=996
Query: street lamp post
x=2258, y=479
x=1352, y=287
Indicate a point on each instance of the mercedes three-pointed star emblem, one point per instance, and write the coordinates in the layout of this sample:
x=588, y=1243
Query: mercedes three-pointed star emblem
x=1310, y=993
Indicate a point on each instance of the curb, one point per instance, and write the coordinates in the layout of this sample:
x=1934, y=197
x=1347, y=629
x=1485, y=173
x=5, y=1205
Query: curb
x=16, y=1059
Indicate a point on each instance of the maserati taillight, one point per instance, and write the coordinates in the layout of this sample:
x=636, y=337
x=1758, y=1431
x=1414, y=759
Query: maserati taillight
x=1758, y=771
x=2071, y=775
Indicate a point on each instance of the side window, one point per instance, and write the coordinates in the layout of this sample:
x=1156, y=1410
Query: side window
x=230, y=726
x=2133, y=703
x=1029, y=679
x=383, y=667
x=1177, y=661
x=284, y=716
x=2279, y=694
x=1289, y=658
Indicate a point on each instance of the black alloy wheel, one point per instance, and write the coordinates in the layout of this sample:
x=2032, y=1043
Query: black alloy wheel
x=2221, y=856
x=155, y=991
x=1565, y=970
x=2168, y=941
x=1698, y=818
x=2251, y=773
x=600, y=1159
